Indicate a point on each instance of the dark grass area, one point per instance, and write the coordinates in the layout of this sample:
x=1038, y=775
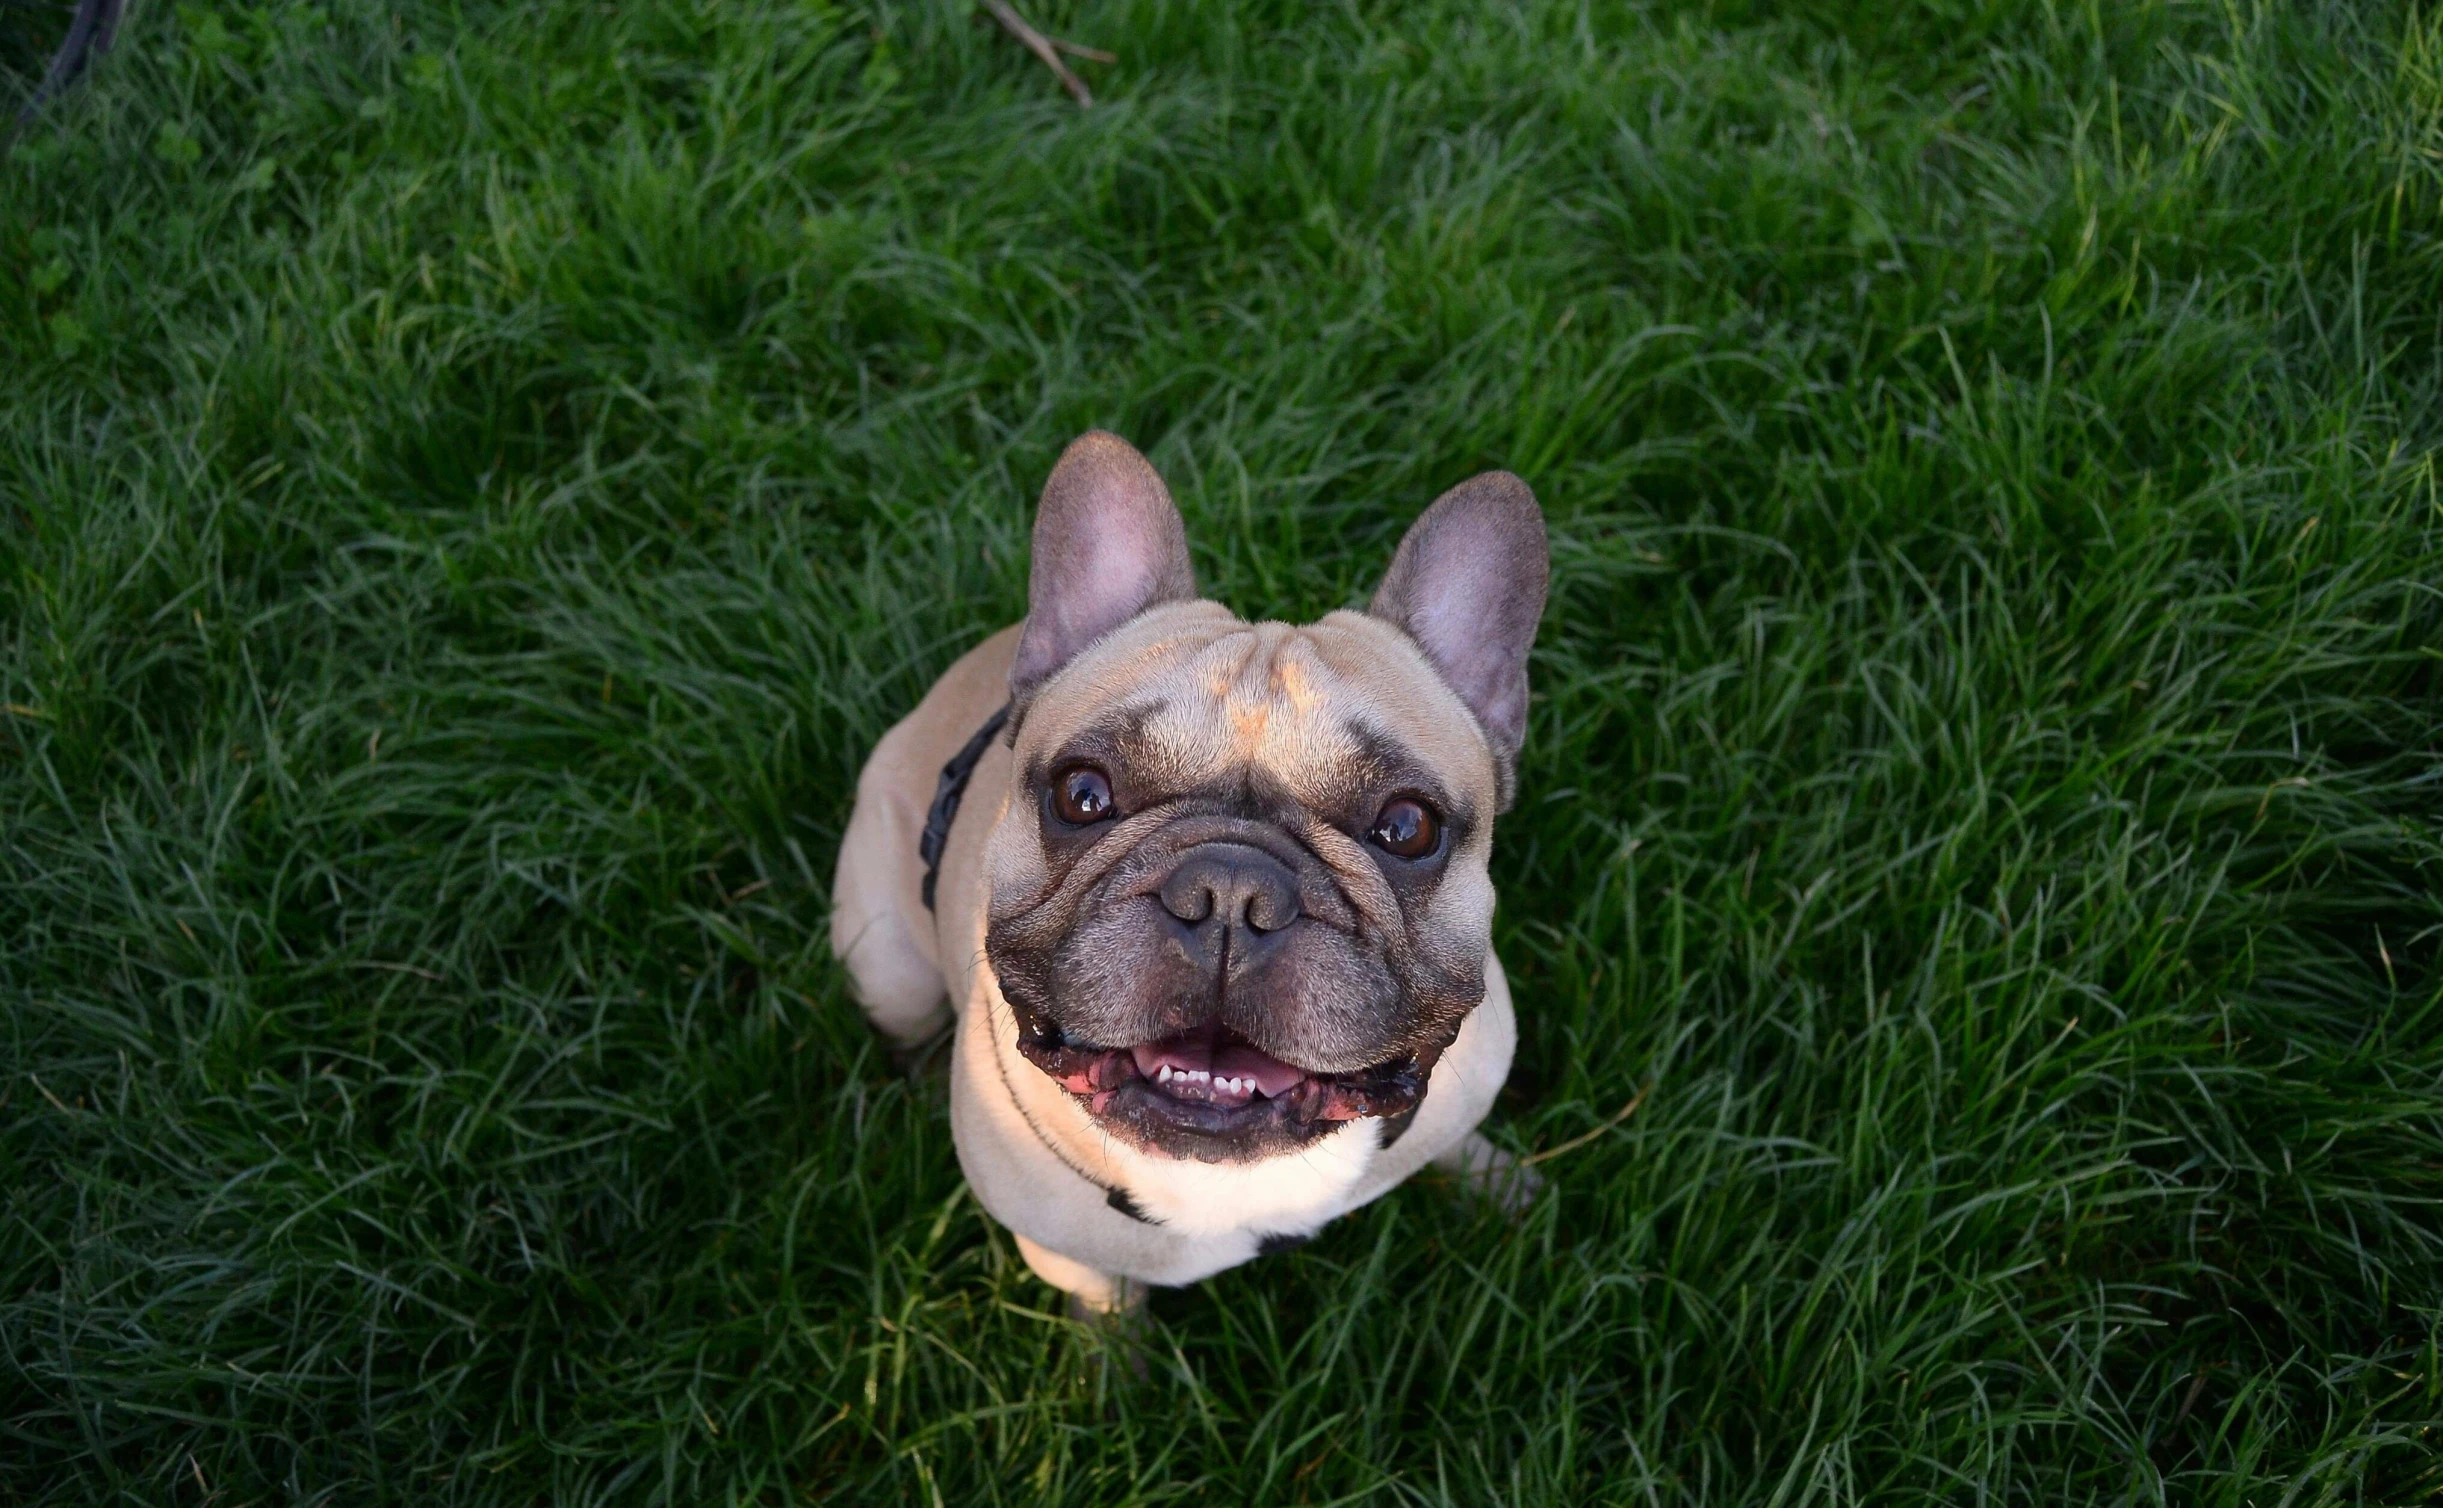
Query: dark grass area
x=475, y=479
x=30, y=30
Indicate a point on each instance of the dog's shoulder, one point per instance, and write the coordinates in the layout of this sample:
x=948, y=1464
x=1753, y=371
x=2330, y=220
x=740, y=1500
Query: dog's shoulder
x=974, y=687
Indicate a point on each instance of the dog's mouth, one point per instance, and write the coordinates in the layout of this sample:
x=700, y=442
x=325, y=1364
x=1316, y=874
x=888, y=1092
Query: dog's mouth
x=1214, y=1081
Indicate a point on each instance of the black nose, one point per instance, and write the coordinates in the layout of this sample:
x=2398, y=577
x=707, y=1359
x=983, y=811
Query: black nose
x=1230, y=887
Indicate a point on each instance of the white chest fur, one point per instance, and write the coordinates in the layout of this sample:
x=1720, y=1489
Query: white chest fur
x=1290, y=1195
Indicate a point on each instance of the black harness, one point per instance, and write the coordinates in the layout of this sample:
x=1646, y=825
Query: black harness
x=947, y=796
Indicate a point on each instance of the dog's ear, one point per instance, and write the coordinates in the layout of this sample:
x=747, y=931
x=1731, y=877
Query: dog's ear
x=1108, y=545
x=1468, y=585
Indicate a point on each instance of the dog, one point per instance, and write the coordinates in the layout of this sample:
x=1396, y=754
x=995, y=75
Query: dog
x=1205, y=902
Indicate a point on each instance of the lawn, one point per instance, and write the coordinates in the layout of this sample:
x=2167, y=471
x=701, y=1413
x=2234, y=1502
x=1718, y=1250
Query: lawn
x=474, y=480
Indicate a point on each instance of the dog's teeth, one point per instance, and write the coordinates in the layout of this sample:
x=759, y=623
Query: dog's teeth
x=1162, y=1075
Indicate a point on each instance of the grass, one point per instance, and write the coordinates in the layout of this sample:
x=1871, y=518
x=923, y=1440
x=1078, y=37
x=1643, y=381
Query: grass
x=474, y=480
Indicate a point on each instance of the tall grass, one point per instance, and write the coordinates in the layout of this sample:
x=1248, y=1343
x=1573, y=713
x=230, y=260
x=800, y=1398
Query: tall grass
x=475, y=479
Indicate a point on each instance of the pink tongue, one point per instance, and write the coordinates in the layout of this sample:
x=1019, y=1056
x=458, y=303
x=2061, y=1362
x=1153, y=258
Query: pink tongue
x=1195, y=1052
x=1272, y=1076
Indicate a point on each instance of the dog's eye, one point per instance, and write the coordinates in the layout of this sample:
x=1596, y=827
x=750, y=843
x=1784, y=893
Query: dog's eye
x=1406, y=827
x=1081, y=794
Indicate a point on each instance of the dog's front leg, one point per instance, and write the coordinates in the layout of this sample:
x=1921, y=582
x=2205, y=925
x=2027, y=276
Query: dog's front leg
x=1093, y=1295
x=879, y=931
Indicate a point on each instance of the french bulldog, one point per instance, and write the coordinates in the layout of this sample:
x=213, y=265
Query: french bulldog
x=1205, y=901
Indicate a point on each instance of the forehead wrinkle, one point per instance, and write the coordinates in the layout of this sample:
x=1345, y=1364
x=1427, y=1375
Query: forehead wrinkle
x=1249, y=685
x=1190, y=724
x=1236, y=678
x=1144, y=655
x=1312, y=744
x=1272, y=702
x=1273, y=698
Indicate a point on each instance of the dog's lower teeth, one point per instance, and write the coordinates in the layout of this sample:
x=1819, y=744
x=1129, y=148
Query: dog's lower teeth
x=1203, y=1086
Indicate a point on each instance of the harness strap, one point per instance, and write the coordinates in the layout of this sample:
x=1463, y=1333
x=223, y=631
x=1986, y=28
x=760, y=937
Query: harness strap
x=947, y=796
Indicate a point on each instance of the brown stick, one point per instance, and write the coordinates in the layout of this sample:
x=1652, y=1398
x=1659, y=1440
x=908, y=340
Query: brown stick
x=1043, y=47
x=1575, y=1142
x=90, y=32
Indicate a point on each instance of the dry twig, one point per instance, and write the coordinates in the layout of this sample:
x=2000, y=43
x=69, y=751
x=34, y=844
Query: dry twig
x=1575, y=1142
x=90, y=32
x=1049, y=49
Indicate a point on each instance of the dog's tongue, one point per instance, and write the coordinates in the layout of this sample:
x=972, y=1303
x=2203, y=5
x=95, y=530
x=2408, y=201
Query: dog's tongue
x=1203, y=1051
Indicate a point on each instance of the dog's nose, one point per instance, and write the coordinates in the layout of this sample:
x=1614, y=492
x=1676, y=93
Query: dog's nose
x=1229, y=887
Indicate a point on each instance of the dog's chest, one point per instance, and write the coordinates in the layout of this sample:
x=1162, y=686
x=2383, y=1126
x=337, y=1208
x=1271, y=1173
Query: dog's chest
x=1292, y=1195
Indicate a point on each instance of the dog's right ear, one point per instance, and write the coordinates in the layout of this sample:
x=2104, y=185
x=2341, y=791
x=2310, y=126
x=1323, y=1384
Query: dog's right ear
x=1468, y=584
x=1108, y=545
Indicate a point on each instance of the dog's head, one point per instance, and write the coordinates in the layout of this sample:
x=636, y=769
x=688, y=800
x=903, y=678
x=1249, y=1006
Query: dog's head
x=1240, y=892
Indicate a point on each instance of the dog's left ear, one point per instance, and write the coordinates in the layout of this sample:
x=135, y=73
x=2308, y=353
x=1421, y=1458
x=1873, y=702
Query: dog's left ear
x=1108, y=545
x=1468, y=585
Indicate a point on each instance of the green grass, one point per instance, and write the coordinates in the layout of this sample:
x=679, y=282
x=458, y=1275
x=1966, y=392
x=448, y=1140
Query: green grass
x=475, y=479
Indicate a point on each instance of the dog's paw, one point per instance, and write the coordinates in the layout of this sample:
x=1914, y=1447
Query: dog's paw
x=1120, y=1323
x=1486, y=1172
x=1100, y=1298
x=1120, y=1311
